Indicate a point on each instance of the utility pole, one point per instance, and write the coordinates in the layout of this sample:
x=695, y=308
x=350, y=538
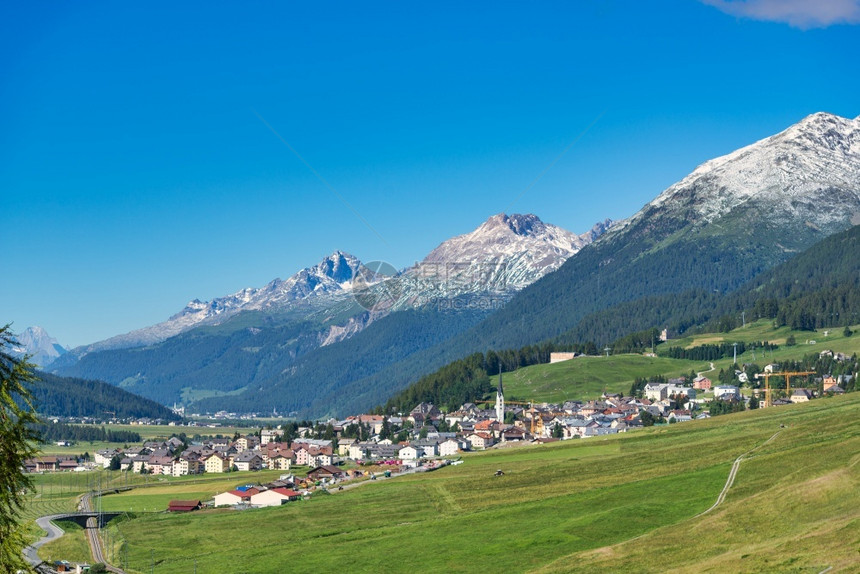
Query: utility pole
x=735, y=345
x=744, y=318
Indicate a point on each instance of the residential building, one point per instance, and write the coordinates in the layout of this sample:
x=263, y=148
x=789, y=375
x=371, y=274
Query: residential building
x=451, y=447
x=702, y=383
x=216, y=462
x=411, y=452
x=481, y=440
x=248, y=460
x=654, y=391
x=270, y=435
x=274, y=497
x=280, y=462
x=726, y=393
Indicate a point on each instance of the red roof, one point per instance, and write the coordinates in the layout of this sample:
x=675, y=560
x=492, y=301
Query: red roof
x=286, y=492
x=184, y=505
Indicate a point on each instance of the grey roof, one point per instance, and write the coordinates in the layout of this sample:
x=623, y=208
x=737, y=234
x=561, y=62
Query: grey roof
x=246, y=456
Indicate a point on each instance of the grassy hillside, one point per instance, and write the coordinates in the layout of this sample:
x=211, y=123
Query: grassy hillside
x=574, y=506
x=808, y=342
x=156, y=497
x=588, y=377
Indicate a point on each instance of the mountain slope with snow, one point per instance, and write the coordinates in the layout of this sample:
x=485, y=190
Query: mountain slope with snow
x=503, y=255
x=808, y=172
x=318, y=285
x=42, y=348
x=730, y=219
x=290, y=329
x=507, y=253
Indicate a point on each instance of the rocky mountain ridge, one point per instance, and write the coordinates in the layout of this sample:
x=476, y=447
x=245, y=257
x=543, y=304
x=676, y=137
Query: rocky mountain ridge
x=501, y=256
x=39, y=345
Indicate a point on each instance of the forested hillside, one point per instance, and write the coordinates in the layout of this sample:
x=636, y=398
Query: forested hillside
x=816, y=288
x=323, y=381
x=243, y=350
x=72, y=397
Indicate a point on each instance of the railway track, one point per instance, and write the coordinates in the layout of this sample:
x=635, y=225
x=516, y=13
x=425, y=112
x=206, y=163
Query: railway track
x=93, y=539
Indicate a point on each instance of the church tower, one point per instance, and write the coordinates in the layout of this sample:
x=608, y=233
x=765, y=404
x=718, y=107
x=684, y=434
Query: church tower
x=500, y=400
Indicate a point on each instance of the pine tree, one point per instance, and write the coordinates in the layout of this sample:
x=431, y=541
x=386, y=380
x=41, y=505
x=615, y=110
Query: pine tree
x=17, y=442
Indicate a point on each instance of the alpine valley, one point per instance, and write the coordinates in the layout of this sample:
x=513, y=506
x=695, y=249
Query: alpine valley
x=306, y=345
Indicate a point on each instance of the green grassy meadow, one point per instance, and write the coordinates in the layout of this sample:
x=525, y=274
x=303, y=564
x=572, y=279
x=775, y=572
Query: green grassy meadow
x=564, y=507
x=71, y=546
x=808, y=342
x=155, y=497
x=587, y=377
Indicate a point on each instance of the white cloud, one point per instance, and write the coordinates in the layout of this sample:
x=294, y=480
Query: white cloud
x=803, y=14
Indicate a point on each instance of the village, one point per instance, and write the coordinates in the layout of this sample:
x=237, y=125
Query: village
x=372, y=446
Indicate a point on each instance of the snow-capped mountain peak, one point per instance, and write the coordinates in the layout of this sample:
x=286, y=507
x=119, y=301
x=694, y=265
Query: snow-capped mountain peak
x=331, y=277
x=506, y=253
x=505, y=235
x=808, y=171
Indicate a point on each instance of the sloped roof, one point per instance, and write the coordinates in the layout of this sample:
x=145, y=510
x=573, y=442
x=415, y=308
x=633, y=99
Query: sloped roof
x=183, y=505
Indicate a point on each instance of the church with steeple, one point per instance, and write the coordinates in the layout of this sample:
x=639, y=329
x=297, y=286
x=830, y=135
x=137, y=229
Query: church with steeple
x=500, y=400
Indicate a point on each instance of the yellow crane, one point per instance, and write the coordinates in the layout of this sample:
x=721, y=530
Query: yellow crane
x=787, y=375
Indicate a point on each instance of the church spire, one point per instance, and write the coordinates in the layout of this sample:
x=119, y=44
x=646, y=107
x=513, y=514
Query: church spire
x=500, y=399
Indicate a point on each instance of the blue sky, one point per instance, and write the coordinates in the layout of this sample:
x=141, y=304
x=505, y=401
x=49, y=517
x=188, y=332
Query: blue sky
x=136, y=173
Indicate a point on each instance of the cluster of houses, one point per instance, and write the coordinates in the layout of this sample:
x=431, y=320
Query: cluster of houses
x=474, y=429
x=216, y=455
x=273, y=494
x=830, y=385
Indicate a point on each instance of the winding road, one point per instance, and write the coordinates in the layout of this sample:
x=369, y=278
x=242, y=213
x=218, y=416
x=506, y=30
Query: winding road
x=31, y=553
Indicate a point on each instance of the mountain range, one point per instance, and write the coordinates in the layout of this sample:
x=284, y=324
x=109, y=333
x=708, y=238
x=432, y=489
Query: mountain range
x=305, y=345
x=260, y=337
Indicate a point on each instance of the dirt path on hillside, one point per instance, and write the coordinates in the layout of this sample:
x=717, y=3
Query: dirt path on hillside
x=702, y=373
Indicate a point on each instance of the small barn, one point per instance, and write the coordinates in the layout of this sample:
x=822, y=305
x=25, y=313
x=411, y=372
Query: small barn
x=184, y=505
